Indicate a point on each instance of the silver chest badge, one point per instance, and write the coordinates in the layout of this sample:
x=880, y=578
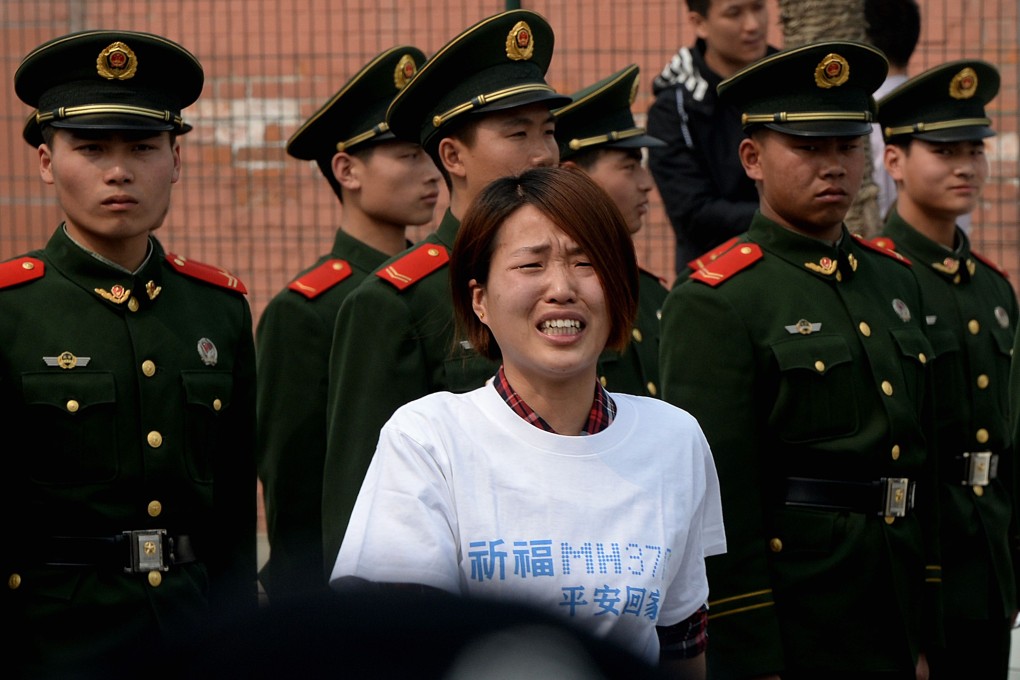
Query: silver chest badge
x=901, y=309
x=207, y=352
x=1002, y=316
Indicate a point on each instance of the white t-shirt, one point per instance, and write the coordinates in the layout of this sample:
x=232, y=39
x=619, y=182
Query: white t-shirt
x=610, y=529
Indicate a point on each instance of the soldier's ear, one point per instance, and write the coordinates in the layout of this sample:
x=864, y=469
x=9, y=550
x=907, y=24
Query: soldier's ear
x=346, y=171
x=451, y=155
x=45, y=163
x=750, y=157
x=894, y=158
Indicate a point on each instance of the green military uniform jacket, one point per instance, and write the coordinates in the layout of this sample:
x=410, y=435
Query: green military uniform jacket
x=295, y=333
x=805, y=360
x=391, y=345
x=636, y=369
x=972, y=320
x=127, y=402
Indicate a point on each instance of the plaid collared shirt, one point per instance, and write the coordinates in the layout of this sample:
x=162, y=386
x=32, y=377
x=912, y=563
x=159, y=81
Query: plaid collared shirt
x=603, y=408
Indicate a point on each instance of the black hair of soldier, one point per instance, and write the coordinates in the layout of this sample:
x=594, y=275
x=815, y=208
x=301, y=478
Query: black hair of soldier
x=325, y=163
x=587, y=158
x=699, y=6
x=893, y=26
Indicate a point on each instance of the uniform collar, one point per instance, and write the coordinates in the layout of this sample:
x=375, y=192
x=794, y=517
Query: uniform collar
x=826, y=261
x=359, y=254
x=447, y=231
x=110, y=284
x=956, y=266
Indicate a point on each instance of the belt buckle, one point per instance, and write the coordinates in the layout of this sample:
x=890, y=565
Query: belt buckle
x=899, y=496
x=980, y=467
x=148, y=550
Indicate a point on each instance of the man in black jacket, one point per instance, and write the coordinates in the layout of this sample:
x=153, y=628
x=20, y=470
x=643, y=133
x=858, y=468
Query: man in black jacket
x=707, y=196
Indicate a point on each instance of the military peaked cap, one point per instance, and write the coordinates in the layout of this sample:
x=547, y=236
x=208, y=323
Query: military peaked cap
x=356, y=114
x=943, y=104
x=600, y=116
x=823, y=89
x=499, y=63
x=108, y=80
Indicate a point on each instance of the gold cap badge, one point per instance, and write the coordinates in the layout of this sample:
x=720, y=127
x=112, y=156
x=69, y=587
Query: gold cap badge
x=406, y=68
x=832, y=71
x=117, y=62
x=519, y=43
x=964, y=84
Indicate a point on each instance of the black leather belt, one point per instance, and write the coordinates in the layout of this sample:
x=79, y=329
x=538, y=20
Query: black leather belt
x=886, y=497
x=979, y=468
x=141, y=550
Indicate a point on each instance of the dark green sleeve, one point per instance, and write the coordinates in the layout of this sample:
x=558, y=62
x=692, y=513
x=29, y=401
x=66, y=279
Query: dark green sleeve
x=708, y=368
x=376, y=365
x=293, y=344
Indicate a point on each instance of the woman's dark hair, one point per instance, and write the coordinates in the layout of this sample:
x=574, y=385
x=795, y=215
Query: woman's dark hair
x=575, y=204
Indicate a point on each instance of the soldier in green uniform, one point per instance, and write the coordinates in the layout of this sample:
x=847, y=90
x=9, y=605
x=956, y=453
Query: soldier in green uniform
x=482, y=110
x=127, y=380
x=597, y=134
x=934, y=126
x=384, y=185
x=802, y=352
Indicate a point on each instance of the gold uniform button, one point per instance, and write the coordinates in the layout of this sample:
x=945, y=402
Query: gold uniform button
x=981, y=436
x=887, y=388
x=922, y=358
x=148, y=368
x=602, y=380
x=974, y=327
x=14, y=581
x=775, y=545
x=155, y=578
x=820, y=366
x=896, y=452
x=865, y=329
x=979, y=490
x=155, y=439
x=133, y=304
x=982, y=381
x=217, y=404
x=155, y=508
x=890, y=520
x=636, y=334
x=652, y=389
x=337, y=266
x=72, y=406
x=28, y=265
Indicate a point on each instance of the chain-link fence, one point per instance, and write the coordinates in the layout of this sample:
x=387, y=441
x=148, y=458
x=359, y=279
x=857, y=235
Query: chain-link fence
x=245, y=205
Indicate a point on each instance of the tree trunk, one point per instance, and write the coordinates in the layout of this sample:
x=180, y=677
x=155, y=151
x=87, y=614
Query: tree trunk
x=806, y=21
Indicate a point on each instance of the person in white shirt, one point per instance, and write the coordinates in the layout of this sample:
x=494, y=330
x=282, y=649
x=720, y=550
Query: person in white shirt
x=540, y=487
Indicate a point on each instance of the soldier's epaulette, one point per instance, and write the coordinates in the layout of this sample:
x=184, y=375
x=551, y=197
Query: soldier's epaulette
x=317, y=281
x=993, y=265
x=21, y=270
x=206, y=272
x=888, y=252
x=414, y=265
x=712, y=255
x=884, y=242
x=728, y=264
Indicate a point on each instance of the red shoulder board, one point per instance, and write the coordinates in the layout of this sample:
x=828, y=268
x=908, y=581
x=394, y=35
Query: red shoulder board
x=322, y=278
x=728, y=264
x=1002, y=272
x=20, y=270
x=206, y=272
x=414, y=265
x=888, y=252
x=884, y=242
x=712, y=255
